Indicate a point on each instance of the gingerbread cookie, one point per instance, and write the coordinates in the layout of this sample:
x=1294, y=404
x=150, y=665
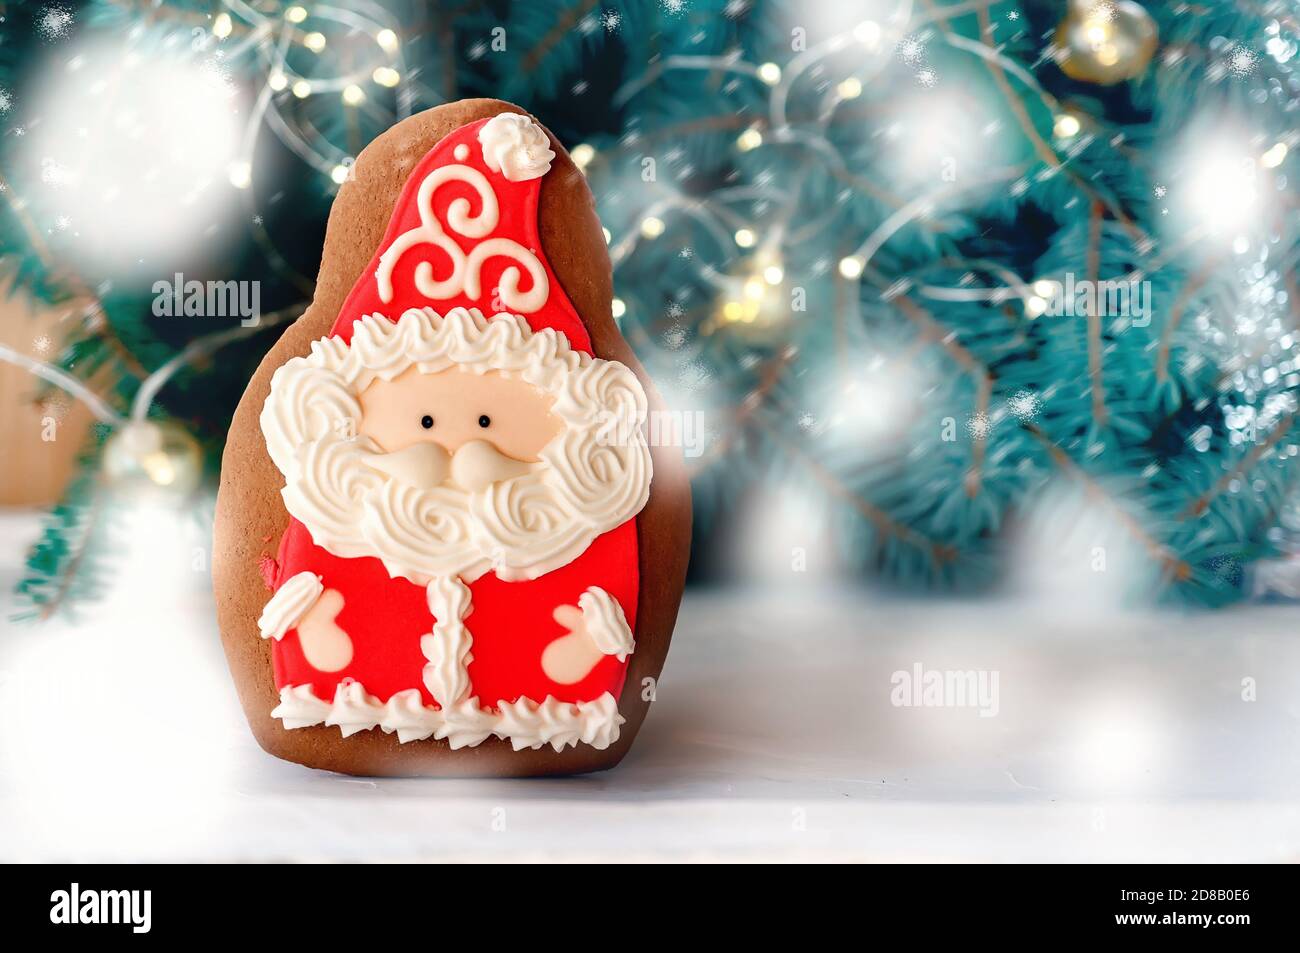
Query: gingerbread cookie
x=443, y=545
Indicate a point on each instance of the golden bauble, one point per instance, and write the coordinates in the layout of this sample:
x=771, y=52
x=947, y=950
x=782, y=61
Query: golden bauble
x=1105, y=41
x=152, y=458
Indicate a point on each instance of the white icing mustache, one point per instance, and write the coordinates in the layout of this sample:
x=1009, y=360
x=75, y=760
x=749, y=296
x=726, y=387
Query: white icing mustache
x=475, y=465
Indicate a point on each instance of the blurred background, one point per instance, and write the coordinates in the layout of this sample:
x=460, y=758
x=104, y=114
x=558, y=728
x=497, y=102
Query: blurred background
x=989, y=301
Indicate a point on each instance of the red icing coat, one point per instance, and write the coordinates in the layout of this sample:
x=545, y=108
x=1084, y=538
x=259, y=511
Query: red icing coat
x=510, y=622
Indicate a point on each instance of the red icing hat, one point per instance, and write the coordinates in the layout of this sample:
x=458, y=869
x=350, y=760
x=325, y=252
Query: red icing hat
x=464, y=234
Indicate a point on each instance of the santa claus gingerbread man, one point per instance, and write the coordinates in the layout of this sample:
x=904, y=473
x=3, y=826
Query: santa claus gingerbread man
x=463, y=478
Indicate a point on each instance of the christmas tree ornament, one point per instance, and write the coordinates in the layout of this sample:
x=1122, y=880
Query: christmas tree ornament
x=1105, y=41
x=155, y=458
x=474, y=558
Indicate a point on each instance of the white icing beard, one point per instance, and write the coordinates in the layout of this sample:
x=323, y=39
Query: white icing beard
x=594, y=476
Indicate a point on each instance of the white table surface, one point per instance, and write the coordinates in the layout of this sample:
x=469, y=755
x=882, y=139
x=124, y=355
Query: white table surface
x=1117, y=737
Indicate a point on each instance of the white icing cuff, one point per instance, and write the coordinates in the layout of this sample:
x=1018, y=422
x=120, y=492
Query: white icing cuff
x=289, y=604
x=525, y=723
x=516, y=147
x=606, y=623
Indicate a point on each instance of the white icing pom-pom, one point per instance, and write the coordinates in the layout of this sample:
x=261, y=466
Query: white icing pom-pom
x=516, y=147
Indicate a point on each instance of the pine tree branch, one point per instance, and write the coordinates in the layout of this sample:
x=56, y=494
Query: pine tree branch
x=935, y=333
x=1100, y=416
x=1193, y=285
x=1174, y=567
x=533, y=58
x=1199, y=505
x=938, y=553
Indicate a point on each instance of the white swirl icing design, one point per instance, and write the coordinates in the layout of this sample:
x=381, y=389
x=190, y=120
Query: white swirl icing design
x=289, y=604
x=516, y=147
x=520, y=528
x=524, y=723
x=606, y=623
x=465, y=276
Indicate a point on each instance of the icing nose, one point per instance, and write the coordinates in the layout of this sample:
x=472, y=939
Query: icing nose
x=424, y=464
x=478, y=463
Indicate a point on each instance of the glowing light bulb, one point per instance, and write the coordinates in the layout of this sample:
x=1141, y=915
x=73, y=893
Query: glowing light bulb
x=314, y=41
x=652, y=227
x=850, y=88
x=352, y=95
x=340, y=172
x=387, y=40
x=609, y=237
x=1223, y=192
x=222, y=26
x=1274, y=156
x=770, y=73
x=241, y=174
x=1045, y=287
x=744, y=238
x=773, y=274
x=1035, y=306
x=302, y=89
x=618, y=308
x=851, y=267
x=582, y=155
x=295, y=14
x=277, y=81
x=868, y=34
x=1066, y=126
x=386, y=76
x=749, y=139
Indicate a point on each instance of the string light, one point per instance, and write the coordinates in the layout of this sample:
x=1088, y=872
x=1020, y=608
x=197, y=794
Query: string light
x=222, y=26
x=386, y=76
x=295, y=14
x=745, y=238
x=352, y=95
x=340, y=173
x=302, y=89
x=314, y=41
x=773, y=274
x=868, y=34
x=582, y=154
x=241, y=174
x=770, y=73
x=652, y=227
x=851, y=267
x=749, y=139
x=277, y=81
x=618, y=308
x=850, y=88
x=1274, y=156
x=1066, y=126
x=387, y=40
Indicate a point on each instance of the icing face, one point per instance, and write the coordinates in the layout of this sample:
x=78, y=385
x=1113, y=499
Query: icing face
x=532, y=450
x=454, y=407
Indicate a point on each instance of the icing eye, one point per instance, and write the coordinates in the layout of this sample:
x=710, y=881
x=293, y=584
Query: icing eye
x=485, y=421
x=426, y=422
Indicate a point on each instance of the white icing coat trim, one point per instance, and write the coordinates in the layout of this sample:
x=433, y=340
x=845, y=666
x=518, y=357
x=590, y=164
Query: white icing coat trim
x=446, y=675
x=289, y=604
x=465, y=269
x=596, y=475
x=516, y=147
x=525, y=723
x=606, y=623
